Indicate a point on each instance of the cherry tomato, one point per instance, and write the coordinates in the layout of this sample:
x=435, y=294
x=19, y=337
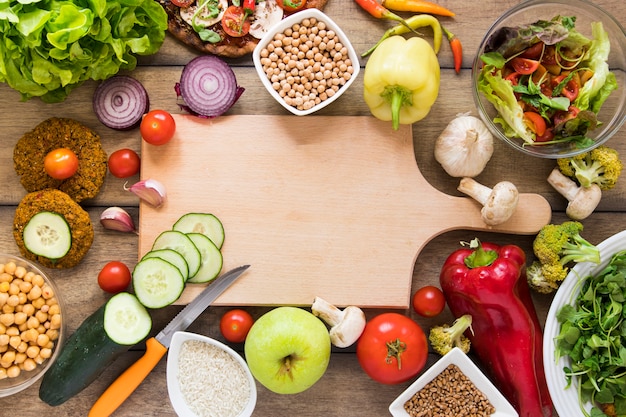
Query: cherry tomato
x=547, y=136
x=428, y=301
x=61, y=163
x=235, y=22
x=235, y=325
x=386, y=338
x=182, y=3
x=533, y=52
x=291, y=5
x=513, y=78
x=524, y=66
x=535, y=122
x=570, y=89
x=124, y=163
x=157, y=127
x=564, y=116
x=114, y=277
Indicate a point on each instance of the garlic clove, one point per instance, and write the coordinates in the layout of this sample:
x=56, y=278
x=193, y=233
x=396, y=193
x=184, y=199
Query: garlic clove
x=151, y=191
x=116, y=218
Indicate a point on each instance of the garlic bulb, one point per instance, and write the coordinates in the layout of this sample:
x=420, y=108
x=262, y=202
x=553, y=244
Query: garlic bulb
x=464, y=147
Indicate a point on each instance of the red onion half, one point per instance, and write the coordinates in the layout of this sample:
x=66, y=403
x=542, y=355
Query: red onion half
x=120, y=102
x=208, y=86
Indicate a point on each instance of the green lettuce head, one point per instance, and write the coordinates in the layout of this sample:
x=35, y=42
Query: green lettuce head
x=50, y=47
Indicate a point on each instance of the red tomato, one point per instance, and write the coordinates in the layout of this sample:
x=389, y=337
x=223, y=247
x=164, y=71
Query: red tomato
x=182, y=3
x=157, y=127
x=513, y=78
x=235, y=325
x=387, y=338
x=114, y=277
x=547, y=136
x=524, y=66
x=564, y=116
x=235, y=22
x=570, y=90
x=124, y=163
x=533, y=52
x=291, y=5
x=428, y=301
x=61, y=163
x=535, y=122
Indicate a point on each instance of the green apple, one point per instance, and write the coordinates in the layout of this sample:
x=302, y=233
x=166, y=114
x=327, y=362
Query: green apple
x=288, y=350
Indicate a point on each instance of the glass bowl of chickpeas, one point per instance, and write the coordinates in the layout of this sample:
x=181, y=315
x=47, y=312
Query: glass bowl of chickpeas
x=31, y=324
x=306, y=61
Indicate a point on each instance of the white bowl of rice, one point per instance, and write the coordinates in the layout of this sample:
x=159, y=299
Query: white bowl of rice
x=207, y=378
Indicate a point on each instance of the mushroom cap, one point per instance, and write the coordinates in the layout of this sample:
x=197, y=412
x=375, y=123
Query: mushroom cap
x=584, y=203
x=500, y=204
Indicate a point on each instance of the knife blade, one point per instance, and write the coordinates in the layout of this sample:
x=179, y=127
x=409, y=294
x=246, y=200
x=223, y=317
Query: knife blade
x=156, y=346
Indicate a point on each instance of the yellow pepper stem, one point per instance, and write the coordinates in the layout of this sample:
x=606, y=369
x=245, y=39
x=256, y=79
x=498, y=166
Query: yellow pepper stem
x=397, y=96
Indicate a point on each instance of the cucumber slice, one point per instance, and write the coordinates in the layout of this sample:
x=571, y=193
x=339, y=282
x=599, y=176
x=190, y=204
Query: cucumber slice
x=205, y=223
x=157, y=283
x=126, y=320
x=212, y=260
x=180, y=242
x=172, y=257
x=48, y=234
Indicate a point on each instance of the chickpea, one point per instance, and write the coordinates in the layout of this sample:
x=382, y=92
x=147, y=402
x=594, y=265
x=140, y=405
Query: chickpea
x=9, y=268
x=29, y=364
x=14, y=371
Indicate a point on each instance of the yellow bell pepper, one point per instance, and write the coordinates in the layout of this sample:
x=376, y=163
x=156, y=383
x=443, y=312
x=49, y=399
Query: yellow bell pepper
x=401, y=80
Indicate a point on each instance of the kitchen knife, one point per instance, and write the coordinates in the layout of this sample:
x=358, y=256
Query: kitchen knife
x=156, y=346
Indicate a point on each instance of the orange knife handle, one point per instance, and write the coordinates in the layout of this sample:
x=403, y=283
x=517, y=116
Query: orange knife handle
x=128, y=381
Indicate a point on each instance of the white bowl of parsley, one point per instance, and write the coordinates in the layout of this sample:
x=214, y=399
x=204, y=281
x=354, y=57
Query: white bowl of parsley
x=589, y=296
x=549, y=77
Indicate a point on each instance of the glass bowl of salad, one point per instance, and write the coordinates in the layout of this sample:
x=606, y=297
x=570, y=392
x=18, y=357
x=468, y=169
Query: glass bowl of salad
x=549, y=77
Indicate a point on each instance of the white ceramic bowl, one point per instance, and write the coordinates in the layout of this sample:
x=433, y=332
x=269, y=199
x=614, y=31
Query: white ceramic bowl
x=565, y=400
x=10, y=386
x=613, y=111
x=281, y=27
x=465, y=364
x=173, y=386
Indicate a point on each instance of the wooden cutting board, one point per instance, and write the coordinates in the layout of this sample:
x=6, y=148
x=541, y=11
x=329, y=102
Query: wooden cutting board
x=318, y=206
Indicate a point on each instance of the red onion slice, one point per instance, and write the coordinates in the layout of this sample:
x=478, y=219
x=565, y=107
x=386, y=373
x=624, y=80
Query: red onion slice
x=208, y=86
x=120, y=102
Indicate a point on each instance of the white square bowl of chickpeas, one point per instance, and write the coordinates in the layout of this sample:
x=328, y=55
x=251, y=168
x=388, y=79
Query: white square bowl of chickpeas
x=31, y=324
x=454, y=385
x=306, y=61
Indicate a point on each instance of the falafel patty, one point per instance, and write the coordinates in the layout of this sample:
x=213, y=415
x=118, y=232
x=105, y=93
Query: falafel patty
x=31, y=149
x=58, y=202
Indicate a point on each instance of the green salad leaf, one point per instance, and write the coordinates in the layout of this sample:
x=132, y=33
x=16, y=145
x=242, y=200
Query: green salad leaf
x=593, y=336
x=50, y=47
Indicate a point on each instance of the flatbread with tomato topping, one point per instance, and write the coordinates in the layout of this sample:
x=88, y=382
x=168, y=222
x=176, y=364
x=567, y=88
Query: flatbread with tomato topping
x=225, y=29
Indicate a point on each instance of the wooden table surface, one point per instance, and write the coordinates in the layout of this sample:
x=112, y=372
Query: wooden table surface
x=345, y=390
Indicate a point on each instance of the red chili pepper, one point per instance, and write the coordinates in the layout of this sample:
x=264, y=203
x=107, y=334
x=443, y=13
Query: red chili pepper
x=457, y=49
x=380, y=12
x=488, y=282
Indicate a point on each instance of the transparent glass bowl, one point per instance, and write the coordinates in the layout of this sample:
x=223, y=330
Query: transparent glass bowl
x=10, y=386
x=613, y=112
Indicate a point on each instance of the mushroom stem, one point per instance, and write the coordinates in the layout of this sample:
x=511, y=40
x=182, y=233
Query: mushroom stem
x=346, y=325
x=582, y=201
x=499, y=203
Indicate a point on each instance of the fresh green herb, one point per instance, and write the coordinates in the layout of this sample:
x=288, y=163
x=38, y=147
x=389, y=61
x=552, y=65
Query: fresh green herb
x=593, y=336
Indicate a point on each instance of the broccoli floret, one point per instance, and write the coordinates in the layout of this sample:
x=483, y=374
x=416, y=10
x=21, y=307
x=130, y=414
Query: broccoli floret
x=556, y=246
x=601, y=166
x=545, y=280
x=444, y=338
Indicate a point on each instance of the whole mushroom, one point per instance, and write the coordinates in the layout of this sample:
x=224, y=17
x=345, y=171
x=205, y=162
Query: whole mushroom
x=346, y=325
x=499, y=203
x=582, y=201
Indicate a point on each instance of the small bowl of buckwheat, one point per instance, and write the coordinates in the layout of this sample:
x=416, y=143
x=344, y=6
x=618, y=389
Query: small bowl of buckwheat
x=453, y=386
x=306, y=61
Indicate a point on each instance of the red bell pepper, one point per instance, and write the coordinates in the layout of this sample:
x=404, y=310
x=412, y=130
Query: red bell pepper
x=488, y=282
